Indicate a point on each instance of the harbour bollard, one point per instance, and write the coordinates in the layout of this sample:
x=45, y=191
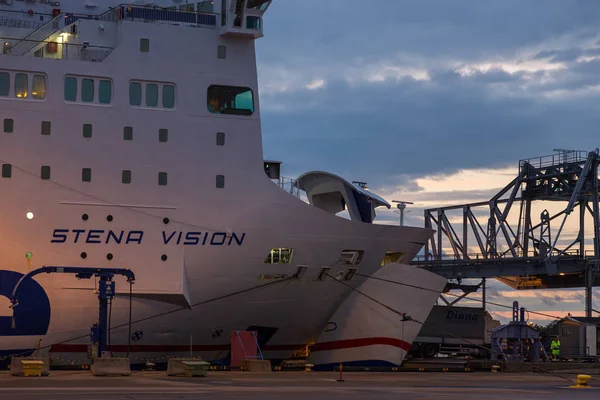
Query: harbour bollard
x=340, y=380
x=582, y=382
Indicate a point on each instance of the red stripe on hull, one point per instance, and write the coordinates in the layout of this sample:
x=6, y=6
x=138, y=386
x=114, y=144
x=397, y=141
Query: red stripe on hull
x=362, y=342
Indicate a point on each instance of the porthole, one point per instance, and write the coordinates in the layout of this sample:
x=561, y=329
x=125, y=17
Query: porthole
x=85, y=217
x=163, y=257
x=109, y=256
x=83, y=255
x=165, y=220
x=109, y=218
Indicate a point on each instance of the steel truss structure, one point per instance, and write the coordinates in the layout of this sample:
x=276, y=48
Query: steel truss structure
x=527, y=253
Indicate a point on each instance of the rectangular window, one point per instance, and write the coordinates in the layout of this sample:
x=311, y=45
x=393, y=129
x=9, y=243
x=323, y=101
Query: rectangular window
x=9, y=125
x=87, y=90
x=144, y=45
x=220, y=181
x=221, y=51
x=230, y=100
x=38, y=90
x=135, y=94
x=151, y=95
x=128, y=133
x=279, y=256
x=87, y=130
x=168, y=96
x=205, y=6
x=163, y=135
x=46, y=127
x=104, y=92
x=220, y=138
x=4, y=84
x=162, y=178
x=6, y=170
x=21, y=86
x=70, y=89
x=86, y=174
x=126, y=176
x=45, y=172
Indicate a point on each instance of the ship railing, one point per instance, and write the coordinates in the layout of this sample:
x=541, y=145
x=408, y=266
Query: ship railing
x=139, y=13
x=19, y=23
x=289, y=185
x=65, y=51
x=28, y=43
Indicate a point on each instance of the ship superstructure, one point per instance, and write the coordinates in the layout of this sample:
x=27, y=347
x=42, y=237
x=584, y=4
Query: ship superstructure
x=131, y=138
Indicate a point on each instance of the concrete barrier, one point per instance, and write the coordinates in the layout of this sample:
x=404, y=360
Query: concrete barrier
x=16, y=366
x=175, y=365
x=111, y=366
x=256, y=365
x=195, y=368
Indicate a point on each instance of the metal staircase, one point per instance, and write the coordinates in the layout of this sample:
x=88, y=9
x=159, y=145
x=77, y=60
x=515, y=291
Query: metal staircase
x=37, y=37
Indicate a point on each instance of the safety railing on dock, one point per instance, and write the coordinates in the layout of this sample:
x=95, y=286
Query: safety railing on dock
x=562, y=157
x=63, y=51
x=475, y=257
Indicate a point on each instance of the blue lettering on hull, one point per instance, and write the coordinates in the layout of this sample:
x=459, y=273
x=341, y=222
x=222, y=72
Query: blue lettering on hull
x=101, y=236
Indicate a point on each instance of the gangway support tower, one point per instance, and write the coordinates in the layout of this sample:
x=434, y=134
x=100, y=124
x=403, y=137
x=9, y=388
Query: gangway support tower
x=523, y=250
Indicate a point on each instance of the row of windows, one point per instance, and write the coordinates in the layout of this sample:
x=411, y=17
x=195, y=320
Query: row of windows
x=86, y=175
x=151, y=92
x=46, y=129
x=21, y=87
x=220, y=99
x=97, y=91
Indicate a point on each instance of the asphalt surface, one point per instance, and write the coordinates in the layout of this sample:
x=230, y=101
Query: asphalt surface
x=296, y=385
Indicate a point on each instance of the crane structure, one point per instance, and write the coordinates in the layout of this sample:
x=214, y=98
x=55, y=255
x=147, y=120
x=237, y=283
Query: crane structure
x=106, y=292
x=516, y=246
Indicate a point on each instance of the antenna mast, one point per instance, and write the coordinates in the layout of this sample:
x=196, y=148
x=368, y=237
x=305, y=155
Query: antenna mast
x=401, y=207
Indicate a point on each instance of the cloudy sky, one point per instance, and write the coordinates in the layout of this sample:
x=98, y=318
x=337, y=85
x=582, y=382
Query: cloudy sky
x=431, y=101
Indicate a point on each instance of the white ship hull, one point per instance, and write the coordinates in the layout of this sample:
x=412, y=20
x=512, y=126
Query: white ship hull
x=202, y=234
x=364, y=332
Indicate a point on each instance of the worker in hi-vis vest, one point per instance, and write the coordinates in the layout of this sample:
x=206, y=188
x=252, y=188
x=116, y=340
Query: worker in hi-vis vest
x=555, y=348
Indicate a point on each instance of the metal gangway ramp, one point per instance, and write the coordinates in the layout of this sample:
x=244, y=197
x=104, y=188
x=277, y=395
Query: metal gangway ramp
x=516, y=246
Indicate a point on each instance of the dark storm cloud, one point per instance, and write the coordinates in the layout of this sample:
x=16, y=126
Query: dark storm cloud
x=388, y=131
x=462, y=28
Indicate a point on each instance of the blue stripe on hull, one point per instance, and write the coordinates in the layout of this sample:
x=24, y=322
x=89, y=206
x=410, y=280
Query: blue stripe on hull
x=357, y=363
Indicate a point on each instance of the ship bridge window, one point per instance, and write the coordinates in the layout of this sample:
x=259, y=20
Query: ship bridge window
x=135, y=94
x=151, y=95
x=87, y=90
x=258, y=4
x=206, y=6
x=70, y=89
x=104, y=92
x=280, y=255
x=391, y=257
x=4, y=84
x=38, y=88
x=21, y=86
x=168, y=96
x=230, y=100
